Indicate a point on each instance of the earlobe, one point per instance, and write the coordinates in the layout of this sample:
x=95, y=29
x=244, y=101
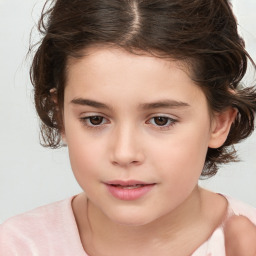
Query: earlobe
x=221, y=126
x=53, y=93
x=63, y=139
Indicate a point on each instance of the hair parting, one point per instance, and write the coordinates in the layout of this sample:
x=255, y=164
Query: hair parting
x=202, y=34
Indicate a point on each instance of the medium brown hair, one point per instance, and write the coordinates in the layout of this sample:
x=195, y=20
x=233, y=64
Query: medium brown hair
x=202, y=33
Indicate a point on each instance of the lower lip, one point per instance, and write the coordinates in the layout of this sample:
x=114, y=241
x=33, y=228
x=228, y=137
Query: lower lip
x=129, y=194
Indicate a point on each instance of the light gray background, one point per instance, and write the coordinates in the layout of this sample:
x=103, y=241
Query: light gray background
x=31, y=175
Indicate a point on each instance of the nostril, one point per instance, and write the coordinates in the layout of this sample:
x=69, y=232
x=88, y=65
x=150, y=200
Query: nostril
x=126, y=163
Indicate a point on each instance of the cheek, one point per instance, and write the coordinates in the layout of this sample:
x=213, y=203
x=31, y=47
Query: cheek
x=83, y=154
x=182, y=153
x=84, y=164
x=84, y=151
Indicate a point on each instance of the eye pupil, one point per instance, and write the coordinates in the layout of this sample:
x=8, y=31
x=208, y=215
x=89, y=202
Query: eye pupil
x=96, y=120
x=161, y=120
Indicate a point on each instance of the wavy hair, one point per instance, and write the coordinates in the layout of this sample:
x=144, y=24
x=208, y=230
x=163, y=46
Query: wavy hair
x=201, y=33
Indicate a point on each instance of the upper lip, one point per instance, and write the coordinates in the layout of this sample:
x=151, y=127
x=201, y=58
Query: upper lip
x=127, y=182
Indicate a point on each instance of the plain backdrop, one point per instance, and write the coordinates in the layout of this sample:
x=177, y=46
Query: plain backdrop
x=31, y=175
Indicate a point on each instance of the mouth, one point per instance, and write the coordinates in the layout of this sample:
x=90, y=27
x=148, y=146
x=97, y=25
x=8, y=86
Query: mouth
x=129, y=190
x=129, y=186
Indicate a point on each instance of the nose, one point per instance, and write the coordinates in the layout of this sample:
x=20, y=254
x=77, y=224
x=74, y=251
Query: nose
x=127, y=147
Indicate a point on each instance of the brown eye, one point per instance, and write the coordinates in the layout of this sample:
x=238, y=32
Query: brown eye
x=96, y=120
x=161, y=120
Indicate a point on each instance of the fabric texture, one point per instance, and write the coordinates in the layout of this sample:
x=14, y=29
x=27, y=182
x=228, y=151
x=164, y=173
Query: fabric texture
x=51, y=230
x=215, y=245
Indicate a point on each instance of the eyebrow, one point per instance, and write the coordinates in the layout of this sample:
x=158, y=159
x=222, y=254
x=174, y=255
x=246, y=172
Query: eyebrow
x=164, y=104
x=144, y=106
x=91, y=103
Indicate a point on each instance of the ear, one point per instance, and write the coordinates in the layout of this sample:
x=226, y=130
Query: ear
x=63, y=139
x=53, y=93
x=221, y=126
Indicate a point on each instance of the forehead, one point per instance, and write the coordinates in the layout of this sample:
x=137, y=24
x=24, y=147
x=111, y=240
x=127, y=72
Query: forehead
x=96, y=54
x=115, y=72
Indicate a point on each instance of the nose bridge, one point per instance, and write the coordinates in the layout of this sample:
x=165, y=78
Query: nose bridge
x=127, y=148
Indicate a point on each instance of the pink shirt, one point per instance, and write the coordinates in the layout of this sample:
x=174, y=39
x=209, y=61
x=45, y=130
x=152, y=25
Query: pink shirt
x=51, y=230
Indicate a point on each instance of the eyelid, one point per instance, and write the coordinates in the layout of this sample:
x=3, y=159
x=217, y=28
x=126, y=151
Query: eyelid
x=84, y=118
x=85, y=115
x=172, y=117
x=172, y=121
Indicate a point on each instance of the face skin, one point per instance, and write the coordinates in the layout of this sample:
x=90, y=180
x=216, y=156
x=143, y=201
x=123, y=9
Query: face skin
x=129, y=117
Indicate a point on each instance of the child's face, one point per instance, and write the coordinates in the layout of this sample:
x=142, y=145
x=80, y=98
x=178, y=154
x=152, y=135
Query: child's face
x=135, y=119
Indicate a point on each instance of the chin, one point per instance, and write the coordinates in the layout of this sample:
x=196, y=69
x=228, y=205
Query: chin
x=131, y=218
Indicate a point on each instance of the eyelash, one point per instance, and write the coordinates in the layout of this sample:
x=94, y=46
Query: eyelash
x=170, y=122
x=87, y=121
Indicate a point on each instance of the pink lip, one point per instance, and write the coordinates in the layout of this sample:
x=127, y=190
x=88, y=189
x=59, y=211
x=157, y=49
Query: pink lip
x=118, y=190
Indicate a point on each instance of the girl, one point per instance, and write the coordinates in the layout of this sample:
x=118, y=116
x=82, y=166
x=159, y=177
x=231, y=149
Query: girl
x=146, y=95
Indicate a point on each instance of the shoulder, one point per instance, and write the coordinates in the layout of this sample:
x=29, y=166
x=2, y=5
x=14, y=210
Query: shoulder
x=42, y=216
x=215, y=245
x=37, y=229
x=237, y=207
